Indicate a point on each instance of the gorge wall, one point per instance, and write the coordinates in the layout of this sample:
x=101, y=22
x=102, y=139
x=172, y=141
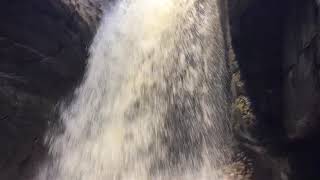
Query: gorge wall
x=43, y=48
x=275, y=83
x=301, y=87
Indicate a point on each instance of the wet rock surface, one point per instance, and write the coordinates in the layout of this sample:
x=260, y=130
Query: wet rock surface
x=302, y=87
x=275, y=79
x=43, y=48
x=256, y=86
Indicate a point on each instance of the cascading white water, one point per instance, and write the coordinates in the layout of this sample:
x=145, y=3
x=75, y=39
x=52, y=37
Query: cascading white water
x=153, y=104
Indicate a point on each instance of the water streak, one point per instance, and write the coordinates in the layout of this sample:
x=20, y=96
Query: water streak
x=153, y=104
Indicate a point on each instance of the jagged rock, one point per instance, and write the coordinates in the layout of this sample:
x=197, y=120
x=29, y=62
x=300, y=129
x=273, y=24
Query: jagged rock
x=43, y=48
x=301, y=88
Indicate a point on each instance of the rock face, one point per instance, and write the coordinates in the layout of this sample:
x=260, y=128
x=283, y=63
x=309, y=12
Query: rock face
x=302, y=87
x=256, y=66
x=43, y=47
x=301, y=67
x=275, y=84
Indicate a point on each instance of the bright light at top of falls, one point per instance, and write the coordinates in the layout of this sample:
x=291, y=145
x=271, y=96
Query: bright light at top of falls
x=153, y=104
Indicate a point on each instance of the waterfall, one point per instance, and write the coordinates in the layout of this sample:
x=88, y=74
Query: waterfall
x=154, y=101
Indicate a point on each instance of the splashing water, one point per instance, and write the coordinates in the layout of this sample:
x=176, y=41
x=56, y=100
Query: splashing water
x=153, y=104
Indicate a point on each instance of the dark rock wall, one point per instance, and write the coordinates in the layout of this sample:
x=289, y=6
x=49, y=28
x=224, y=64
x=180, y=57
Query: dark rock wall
x=302, y=87
x=257, y=41
x=275, y=84
x=301, y=66
x=51, y=39
x=257, y=38
x=43, y=48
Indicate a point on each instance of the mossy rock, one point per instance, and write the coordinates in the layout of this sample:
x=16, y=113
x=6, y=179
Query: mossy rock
x=237, y=85
x=243, y=111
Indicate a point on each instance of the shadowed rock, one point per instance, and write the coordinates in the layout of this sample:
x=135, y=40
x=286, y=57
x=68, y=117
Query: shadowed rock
x=43, y=48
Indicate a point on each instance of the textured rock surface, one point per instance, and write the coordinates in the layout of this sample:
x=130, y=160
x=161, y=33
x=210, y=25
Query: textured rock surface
x=257, y=72
x=301, y=67
x=43, y=47
x=275, y=83
x=302, y=87
x=257, y=89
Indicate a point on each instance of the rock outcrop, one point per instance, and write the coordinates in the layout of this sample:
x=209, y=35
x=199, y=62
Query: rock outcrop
x=275, y=84
x=301, y=71
x=43, y=48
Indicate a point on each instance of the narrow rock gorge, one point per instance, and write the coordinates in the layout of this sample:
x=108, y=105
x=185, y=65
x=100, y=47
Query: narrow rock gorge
x=274, y=60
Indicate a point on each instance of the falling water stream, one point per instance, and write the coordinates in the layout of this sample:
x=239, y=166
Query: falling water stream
x=154, y=101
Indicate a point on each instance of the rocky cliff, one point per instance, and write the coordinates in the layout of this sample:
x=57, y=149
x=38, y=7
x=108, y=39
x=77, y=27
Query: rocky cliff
x=275, y=84
x=301, y=93
x=43, y=48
